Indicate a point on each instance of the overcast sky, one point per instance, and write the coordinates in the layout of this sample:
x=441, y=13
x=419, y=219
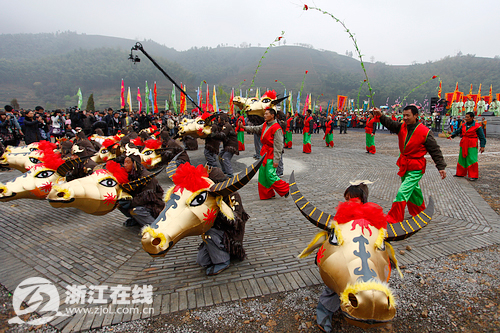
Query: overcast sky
x=392, y=31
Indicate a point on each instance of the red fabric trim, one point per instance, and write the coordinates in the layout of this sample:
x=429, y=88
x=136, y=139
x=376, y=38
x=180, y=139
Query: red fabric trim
x=355, y=210
x=307, y=148
x=153, y=144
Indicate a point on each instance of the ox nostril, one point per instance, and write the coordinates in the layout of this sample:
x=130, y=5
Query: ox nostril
x=1, y=190
x=60, y=194
x=353, y=300
x=156, y=241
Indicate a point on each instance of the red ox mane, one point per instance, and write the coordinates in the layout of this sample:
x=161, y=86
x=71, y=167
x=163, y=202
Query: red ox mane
x=271, y=94
x=46, y=145
x=190, y=177
x=153, y=144
x=355, y=210
x=137, y=141
x=49, y=158
x=118, y=172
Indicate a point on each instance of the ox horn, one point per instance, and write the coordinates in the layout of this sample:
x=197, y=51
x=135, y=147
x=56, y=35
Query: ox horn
x=235, y=183
x=279, y=100
x=172, y=165
x=132, y=186
x=407, y=228
x=314, y=215
x=209, y=119
x=70, y=165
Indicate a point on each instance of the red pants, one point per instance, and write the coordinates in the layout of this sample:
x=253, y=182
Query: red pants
x=472, y=170
x=279, y=186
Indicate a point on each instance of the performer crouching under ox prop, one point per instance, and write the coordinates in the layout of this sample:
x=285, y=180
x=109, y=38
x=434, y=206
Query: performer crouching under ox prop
x=198, y=201
x=354, y=254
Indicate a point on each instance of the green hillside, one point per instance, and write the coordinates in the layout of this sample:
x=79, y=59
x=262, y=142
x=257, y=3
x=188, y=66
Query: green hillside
x=48, y=69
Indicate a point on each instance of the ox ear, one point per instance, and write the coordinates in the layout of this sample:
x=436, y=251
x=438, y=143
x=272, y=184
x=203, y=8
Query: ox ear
x=70, y=164
x=316, y=242
x=407, y=228
x=279, y=100
x=132, y=186
x=172, y=165
x=235, y=183
x=224, y=208
x=311, y=213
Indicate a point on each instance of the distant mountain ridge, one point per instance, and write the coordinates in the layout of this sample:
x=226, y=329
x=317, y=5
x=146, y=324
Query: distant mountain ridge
x=49, y=68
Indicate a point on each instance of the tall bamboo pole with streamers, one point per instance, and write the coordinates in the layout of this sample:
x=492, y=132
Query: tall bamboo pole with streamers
x=421, y=84
x=277, y=39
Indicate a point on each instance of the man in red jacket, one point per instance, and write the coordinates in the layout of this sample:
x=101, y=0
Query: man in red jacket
x=308, y=129
x=415, y=140
x=271, y=136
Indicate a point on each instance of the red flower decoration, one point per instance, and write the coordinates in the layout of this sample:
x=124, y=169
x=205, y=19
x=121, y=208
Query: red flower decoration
x=210, y=216
x=109, y=199
x=279, y=38
x=46, y=187
x=435, y=76
x=307, y=71
x=245, y=80
x=320, y=254
x=275, y=80
x=305, y=7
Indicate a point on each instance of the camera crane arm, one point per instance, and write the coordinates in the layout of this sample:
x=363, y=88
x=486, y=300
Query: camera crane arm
x=136, y=59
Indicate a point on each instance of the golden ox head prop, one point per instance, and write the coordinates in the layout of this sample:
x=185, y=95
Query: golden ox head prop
x=97, y=193
x=255, y=106
x=109, y=150
x=25, y=158
x=191, y=205
x=39, y=180
x=354, y=255
x=199, y=127
x=151, y=155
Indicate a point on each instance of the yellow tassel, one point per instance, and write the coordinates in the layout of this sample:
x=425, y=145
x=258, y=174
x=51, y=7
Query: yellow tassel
x=392, y=256
x=153, y=234
x=381, y=238
x=338, y=234
x=315, y=241
x=362, y=286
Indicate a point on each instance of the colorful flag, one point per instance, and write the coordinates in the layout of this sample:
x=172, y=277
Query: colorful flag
x=151, y=99
x=182, y=101
x=290, y=102
x=257, y=93
x=208, y=96
x=122, y=96
x=146, y=97
x=491, y=92
x=174, y=99
x=166, y=105
x=154, y=96
x=231, y=104
x=139, y=98
x=129, y=100
x=216, y=104
x=479, y=92
x=306, y=104
x=80, y=99
x=440, y=89
x=328, y=108
x=298, y=102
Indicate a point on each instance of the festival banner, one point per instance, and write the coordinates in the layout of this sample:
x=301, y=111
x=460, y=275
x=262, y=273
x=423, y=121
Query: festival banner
x=80, y=99
x=498, y=97
x=122, y=96
x=449, y=99
x=215, y=103
x=182, y=101
x=440, y=89
x=166, y=105
x=154, y=96
x=231, y=104
x=491, y=91
x=341, y=102
x=146, y=97
x=470, y=91
x=174, y=99
x=487, y=99
x=290, y=103
x=151, y=100
x=129, y=100
x=305, y=105
x=328, y=108
x=298, y=103
x=208, y=97
x=139, y=98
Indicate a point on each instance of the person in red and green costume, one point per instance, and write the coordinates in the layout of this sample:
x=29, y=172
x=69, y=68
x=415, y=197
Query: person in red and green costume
x=308, y=129
x=415, y=140
x=271, y=136
x=370, y=133
x=288, y=131
x=470, y=131
x=240, y=133
x=328, y=132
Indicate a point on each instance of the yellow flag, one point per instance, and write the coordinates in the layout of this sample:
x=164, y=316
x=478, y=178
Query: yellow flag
x=129, y=100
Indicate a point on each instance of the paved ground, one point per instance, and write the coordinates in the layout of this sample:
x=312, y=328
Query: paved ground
x=69, y=247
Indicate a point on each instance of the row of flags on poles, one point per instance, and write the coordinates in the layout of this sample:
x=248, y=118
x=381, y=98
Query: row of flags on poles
x=459, y=96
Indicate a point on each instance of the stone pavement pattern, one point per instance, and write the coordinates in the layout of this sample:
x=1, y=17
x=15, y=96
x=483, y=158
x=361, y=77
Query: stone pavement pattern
x=69, y=247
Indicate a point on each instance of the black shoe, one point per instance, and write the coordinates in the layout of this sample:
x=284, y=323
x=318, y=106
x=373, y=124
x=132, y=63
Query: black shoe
x=458, y=176
x=287, y=194
x=472, y=179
